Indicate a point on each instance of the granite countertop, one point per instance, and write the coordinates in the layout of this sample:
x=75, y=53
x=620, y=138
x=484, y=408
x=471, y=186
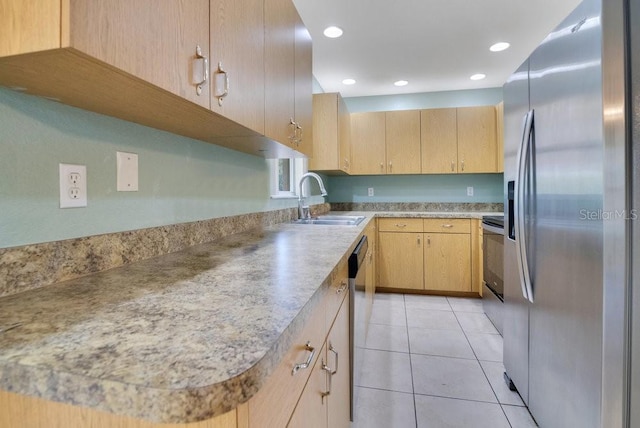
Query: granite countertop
x=176, y=338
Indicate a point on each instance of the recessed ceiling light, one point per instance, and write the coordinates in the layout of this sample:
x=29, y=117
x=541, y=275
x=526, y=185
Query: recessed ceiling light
x=499, y=47
x=349, y=81
x=401, y=83
x=478, y=76
x=333, y=32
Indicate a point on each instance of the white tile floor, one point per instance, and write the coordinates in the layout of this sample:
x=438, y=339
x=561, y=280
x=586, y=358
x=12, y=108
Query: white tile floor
x=434, y=362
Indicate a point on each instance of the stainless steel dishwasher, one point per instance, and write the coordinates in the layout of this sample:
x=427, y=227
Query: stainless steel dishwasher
x=357, y=314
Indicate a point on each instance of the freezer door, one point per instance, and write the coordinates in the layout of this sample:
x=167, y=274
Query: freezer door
x=565, y=321
x=516, y=306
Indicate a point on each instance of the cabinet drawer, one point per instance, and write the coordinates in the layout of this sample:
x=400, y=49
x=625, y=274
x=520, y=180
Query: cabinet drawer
x=400, y=225
x=447, y=225
x=274, y=403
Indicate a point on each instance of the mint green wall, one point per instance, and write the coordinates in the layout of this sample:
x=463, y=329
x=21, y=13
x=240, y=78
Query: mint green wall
x=416, y=188
x=180, y=179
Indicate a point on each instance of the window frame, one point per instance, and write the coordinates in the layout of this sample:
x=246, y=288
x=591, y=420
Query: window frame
x=297, y=167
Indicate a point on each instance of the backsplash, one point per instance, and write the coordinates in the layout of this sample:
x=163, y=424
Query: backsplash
x=37, y=265
x=418, y=206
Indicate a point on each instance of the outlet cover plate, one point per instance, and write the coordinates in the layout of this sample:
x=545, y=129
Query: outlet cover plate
x=470, y=191
x=73, y=185
x=127, y=171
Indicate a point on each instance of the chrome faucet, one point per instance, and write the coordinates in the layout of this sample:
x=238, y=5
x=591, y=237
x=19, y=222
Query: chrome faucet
x=303, y=210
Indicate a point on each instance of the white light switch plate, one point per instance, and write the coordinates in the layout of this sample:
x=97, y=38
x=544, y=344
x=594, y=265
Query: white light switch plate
x=73, y=186
x=127, y=172
x=469, y=191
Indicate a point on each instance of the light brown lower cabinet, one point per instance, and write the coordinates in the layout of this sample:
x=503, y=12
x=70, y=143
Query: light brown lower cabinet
x=325, y=401
x=430, y=255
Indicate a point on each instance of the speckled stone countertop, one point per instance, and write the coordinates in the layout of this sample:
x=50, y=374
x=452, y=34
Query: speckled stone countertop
x=433, y=214
x=176, y=338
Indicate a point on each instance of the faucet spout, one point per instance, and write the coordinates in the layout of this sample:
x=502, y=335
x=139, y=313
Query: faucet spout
x=303, y=211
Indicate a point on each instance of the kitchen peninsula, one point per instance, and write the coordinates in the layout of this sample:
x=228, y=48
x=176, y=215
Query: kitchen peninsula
x=178, y=338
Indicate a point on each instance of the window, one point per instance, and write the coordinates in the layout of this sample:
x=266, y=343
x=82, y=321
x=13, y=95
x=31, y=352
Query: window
x=285, y=174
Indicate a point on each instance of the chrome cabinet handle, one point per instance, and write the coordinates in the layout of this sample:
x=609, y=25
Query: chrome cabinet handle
x=306, y=364
x=448, y=226
x=205, y=70
x=381, y=166
x=428, y=241
x=462, y=165
x=298, y=138
x=293, y=125
x=401, y=226
x=327, y=369
x=419, y=241
x=336, y=356
x=390, y=166
x=220, y=95
x=453, y=165
x=342, y=288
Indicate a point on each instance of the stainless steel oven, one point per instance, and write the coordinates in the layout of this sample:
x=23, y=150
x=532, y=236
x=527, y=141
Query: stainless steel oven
x=493, y=268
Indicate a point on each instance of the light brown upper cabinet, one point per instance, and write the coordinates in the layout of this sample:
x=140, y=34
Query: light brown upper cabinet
x=303, y=88
x=461, y=140
x=151, y=63
x=403, y=142
x=288, y=80
x=368, y=143
x=439, y=135
x=477, y=145
x=152, y=41
x=500, y=136
x=385, y=142
x=237, y=61
x=331, y=134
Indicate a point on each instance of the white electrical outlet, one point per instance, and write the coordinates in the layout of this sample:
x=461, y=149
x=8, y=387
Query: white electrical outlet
x=73, y=186
x=469, y=191
x=370, y=191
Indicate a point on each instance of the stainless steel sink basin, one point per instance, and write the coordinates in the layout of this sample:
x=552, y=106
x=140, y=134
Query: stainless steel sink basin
x=332, y=220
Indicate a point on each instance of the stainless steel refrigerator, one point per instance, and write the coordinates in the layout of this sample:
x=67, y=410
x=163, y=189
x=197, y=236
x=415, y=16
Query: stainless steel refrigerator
x=571, y=188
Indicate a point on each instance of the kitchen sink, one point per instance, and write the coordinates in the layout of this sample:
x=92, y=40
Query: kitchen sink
x=332, y=220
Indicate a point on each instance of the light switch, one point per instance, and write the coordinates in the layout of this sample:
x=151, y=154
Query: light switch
x=127, y=171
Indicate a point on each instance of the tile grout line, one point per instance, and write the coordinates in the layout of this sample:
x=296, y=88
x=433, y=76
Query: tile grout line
x=481, y=368
x=413, y=387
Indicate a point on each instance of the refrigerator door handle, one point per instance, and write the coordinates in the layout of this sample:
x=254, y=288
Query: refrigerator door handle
x=519, y=209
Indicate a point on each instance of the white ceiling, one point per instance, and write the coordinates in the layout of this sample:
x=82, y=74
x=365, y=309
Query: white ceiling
x=434, y=44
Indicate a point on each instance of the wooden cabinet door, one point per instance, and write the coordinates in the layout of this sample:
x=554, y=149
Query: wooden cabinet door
x=400, y=260
x=500, y=137
x=303, y=87
x=338, y=351
x=402, y=129
x=279, y=50
x=311, y=410
x=447, y=262
x=325, y=133
x=344, y=136
x=237, y=49
x=439, y=141
x=331, y=139
x=368, y=143
x=29, y=26
x=477, y=139
x=155, y=41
